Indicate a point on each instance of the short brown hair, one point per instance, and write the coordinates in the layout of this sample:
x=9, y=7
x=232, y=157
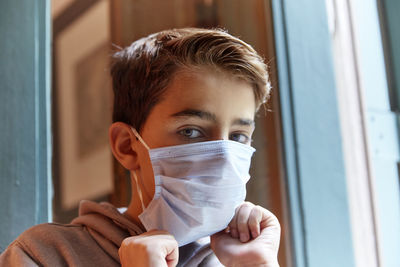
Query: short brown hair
x=142, y=71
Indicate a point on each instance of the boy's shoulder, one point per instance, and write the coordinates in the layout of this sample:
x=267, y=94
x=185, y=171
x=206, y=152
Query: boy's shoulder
x=50, y=234
x=54, y=244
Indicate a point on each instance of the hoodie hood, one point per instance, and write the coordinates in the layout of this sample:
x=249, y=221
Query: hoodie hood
x=106, y=224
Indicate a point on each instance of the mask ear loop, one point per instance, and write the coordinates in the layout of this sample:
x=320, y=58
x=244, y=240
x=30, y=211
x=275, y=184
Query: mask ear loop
x=138, y=190
x=138, y=137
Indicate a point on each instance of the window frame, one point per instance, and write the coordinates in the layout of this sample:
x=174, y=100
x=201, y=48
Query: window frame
x=315, y=171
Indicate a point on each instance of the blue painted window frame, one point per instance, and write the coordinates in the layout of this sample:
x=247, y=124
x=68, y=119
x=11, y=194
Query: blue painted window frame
x=25, y=108
x=315, y=174
x=384, y=125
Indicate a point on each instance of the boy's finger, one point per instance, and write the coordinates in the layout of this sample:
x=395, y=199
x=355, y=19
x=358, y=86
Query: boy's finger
x=233, y=226
x=242, y=221
x=172, y=252
x=255, y=218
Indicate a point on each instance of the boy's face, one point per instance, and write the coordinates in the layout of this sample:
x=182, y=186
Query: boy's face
x=202, y=105
x=197, y=106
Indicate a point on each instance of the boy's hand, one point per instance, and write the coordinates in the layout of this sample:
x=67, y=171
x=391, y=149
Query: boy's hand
x=253, y=238
x=151, y=249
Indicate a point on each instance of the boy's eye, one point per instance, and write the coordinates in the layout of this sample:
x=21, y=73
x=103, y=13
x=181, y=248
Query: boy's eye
x=190, y=133
x=239, y=137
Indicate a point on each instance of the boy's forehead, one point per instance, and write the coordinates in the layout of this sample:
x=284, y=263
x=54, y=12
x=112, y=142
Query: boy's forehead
x=191, y=80
x=203, y=92
x=190, y=73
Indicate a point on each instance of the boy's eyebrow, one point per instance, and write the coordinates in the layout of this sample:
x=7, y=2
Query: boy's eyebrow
x=210, y=116
x=196, y=113
x=243, y=122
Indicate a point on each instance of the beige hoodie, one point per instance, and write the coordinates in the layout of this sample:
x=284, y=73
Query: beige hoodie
x=92, y=239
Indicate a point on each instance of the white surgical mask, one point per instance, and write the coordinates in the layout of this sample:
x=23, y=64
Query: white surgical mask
x=197, y=187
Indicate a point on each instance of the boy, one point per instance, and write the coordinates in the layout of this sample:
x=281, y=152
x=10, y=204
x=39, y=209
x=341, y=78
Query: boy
x=183, y=117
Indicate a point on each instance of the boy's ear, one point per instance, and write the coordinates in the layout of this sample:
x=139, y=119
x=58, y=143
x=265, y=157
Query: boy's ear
x=122, y=145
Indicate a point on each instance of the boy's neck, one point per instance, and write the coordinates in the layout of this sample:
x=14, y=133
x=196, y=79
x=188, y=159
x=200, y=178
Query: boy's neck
x=135, y=207
x=134, y=210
